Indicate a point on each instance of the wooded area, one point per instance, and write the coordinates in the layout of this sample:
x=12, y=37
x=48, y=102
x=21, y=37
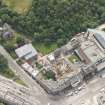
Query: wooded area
x=51, y=21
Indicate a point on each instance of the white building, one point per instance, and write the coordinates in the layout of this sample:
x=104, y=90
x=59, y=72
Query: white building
x=51, y=57
x=27, y=52
x=28, y=68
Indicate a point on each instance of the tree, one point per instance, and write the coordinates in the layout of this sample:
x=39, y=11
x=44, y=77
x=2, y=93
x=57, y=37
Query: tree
x=9, y=47
x=50, y=75
x=3, y=63
x=1, y=104
x=56, y=21
x=20, y=40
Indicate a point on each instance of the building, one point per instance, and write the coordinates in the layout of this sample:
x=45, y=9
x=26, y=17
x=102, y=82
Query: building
x=66, y=74
x=89, y=47
x=51, y=57
x=92, y=46
x=30, y=70
x=98, y=35
x=27, y=52
x=55, y=87
x=100, y=65
x=92, y=51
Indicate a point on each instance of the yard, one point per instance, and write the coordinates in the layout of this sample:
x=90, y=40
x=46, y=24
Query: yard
x=73, y=58
x=45, y=48
x=20, y=6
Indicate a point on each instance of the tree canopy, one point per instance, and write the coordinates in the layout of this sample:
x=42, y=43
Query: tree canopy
x=56, y=20
x=3, y=63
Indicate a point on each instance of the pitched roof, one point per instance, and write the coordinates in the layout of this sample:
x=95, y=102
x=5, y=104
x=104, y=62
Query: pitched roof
x=27, y=51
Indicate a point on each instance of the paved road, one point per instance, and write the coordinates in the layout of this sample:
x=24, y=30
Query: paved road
x=87, y=94
x=15, y=94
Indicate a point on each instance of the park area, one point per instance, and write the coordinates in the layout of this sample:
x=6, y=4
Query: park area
x=20, y=6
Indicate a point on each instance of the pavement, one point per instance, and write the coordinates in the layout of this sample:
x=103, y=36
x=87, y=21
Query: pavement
x=87, y=94
x=15, y=94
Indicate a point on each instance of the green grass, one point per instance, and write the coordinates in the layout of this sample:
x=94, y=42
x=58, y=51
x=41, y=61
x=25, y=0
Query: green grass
x=48, y=75
x=13, y=54
x=20, y=6
x=19, y=81
x=45, y=48
x=9, y=74
x=11, y=43
x=73, y=58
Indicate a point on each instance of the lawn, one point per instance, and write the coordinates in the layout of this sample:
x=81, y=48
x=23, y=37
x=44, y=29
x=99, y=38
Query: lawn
x=45, y=48
x=7, y=73
x=20, y=6
x=19, y=81
x=73, y=58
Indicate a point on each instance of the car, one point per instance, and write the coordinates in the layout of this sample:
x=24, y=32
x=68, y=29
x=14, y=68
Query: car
x=69, y=94
x=80, y=88
x=76, y=92
x=102, y=90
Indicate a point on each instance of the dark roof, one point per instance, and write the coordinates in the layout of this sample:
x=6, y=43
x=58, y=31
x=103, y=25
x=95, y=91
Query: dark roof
x=99, y=36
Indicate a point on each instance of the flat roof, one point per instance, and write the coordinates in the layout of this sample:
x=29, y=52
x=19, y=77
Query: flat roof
x=27, y=51
x=30, y=69
x=101, y=66
x=27, y=68
x=51, y=57
x=92, y=51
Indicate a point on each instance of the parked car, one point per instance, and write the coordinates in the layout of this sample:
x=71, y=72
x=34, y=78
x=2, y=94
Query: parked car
x=69, y=94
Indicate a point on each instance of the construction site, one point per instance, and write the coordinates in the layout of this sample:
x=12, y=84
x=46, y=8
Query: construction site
x=72, y=64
